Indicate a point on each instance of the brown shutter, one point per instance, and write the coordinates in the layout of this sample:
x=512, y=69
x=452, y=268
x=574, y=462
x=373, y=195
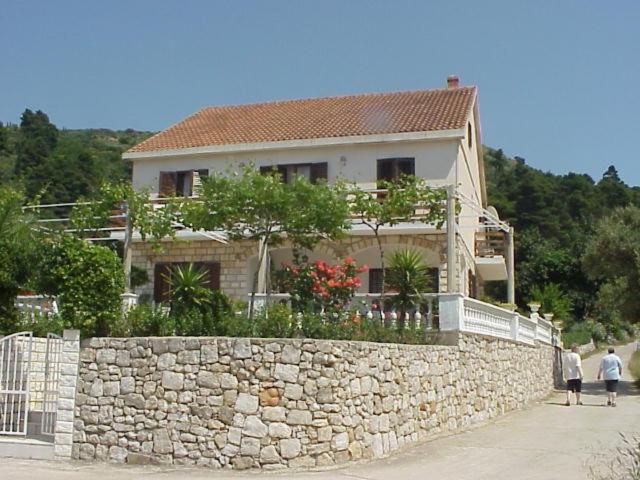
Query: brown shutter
x=161, y=285
x=319, y=171
x=213, y=273
x=168, y=181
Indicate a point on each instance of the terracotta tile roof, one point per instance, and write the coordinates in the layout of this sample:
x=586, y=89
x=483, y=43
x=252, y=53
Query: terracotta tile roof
x=370, y=114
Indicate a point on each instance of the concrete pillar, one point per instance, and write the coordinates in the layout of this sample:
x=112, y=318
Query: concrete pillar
x=451, y=312
x=511, y=277
x=69, y=358
x=452, y=286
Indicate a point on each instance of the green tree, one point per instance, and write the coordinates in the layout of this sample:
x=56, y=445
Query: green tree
x=262, y=208
x=20, y=244
x=141, y=215
x=37, y=140
x=612, y=257
x=87, y=280
x=409, y=199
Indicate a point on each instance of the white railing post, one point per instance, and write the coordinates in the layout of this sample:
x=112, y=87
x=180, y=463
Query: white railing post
x=451, y=311
x=515, y=326
x=534, y=318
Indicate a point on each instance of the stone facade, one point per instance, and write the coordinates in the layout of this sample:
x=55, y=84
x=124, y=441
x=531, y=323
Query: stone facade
x=277, y=403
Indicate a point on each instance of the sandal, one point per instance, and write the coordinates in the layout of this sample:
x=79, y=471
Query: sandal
x=567, y=404
x=609, y=402
x=614, y=404
x=579, y=403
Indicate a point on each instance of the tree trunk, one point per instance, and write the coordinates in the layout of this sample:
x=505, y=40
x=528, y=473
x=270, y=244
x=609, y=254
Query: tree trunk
x=127, y=254
x=261, y=253
x=382, y=265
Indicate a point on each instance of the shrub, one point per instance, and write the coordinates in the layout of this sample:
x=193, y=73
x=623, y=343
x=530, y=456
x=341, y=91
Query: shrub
x=144, y=320
x=552, y=300
x=88, y=280
x=408, y=277
x=275, y=322
x=579, y=333
x=319, y=286
x=188, y=288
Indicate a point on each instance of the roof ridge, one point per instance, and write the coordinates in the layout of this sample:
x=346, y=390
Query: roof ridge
x=334, y=97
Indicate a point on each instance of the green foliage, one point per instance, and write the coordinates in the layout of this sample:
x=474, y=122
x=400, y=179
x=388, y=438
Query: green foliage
x=579, y=333
x=188, y=288
x=143, y=320
x=139, y=276
x=88, y=281
x=318, y=286
x=408, y=277
x=407, y=200
x=20, y=244
x=612, y=257
x=552, y=300
x=554, y=217
x=62, y=165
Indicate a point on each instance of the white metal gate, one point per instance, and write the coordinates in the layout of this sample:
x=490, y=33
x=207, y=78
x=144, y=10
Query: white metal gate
x=15, y=366
x=51, y=379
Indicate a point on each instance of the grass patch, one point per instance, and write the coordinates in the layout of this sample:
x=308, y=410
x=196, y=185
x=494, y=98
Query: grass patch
x=634, y=366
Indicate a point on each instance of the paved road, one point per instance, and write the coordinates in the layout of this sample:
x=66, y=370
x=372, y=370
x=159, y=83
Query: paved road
x=547, y=441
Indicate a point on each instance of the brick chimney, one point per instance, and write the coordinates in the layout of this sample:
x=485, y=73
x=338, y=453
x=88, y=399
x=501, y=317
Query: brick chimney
x=453, y=81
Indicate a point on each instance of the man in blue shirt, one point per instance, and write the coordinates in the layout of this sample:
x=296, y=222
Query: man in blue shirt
x=611, y=371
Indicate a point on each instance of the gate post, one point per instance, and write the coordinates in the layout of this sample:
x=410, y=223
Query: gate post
x=69, y=358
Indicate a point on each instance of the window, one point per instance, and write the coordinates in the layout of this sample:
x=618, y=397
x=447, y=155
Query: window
x=311, y=171
x=390, y=169
x=162, y=280
x=184, y=183
x=469, y=135
x=375, y=280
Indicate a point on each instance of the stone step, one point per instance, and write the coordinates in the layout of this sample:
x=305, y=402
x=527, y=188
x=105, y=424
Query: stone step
x=30, y=448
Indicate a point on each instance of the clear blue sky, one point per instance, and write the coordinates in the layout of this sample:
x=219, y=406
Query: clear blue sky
x=557, y=79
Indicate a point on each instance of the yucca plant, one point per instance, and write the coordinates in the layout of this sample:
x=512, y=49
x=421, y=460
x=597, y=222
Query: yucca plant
x=408, y=277
x=188, y=287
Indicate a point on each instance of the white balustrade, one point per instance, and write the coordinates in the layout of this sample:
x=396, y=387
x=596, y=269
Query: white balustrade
x=460, y=313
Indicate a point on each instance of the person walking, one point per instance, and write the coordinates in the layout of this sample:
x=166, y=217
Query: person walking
x=573, y=374
x=611, y=370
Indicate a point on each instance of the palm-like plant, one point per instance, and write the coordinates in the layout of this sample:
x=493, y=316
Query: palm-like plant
x=188, y=287
x=408, y=276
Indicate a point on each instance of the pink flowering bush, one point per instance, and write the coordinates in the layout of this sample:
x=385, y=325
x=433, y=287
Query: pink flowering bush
x=320, y=286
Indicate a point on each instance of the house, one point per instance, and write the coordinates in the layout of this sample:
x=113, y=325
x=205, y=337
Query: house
x=434, y=134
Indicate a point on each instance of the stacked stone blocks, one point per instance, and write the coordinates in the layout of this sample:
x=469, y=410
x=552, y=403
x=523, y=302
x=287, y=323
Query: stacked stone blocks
x=288, y=403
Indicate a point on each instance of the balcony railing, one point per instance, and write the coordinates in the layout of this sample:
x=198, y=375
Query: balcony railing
x=490, y=244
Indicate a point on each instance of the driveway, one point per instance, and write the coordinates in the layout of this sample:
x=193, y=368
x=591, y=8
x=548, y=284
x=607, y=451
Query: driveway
x=546, y=441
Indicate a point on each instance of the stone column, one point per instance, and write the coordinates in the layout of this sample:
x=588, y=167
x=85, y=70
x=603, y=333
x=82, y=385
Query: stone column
x=451, y=311
x=69, y=358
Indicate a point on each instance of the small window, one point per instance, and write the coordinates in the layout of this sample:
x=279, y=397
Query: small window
x=391, y=169
x=181, y=183
x=469, y=135
x=313, y=172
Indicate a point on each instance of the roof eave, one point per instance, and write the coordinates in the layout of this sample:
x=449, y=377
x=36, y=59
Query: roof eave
x=450, y=134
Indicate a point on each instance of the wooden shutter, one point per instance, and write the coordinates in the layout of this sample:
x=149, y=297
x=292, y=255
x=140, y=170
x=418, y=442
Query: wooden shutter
x=375, y=280
x=168, y=181
x=213, y=273
x=161, y=285
x=319, y=171
x=434, y=279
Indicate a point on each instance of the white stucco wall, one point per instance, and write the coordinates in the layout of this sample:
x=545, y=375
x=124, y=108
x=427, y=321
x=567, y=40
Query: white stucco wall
x=434, y=160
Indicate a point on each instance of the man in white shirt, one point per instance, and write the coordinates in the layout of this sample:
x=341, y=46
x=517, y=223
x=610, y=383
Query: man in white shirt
x=573, y=374
x=611, y=371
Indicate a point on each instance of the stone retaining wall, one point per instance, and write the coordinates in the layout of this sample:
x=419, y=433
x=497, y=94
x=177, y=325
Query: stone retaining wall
x=262, y=403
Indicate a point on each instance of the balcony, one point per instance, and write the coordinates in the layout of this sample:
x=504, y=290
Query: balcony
x=490, y=250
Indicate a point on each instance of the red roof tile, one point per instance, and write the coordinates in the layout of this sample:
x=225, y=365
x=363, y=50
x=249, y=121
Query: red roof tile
x=370, y=114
